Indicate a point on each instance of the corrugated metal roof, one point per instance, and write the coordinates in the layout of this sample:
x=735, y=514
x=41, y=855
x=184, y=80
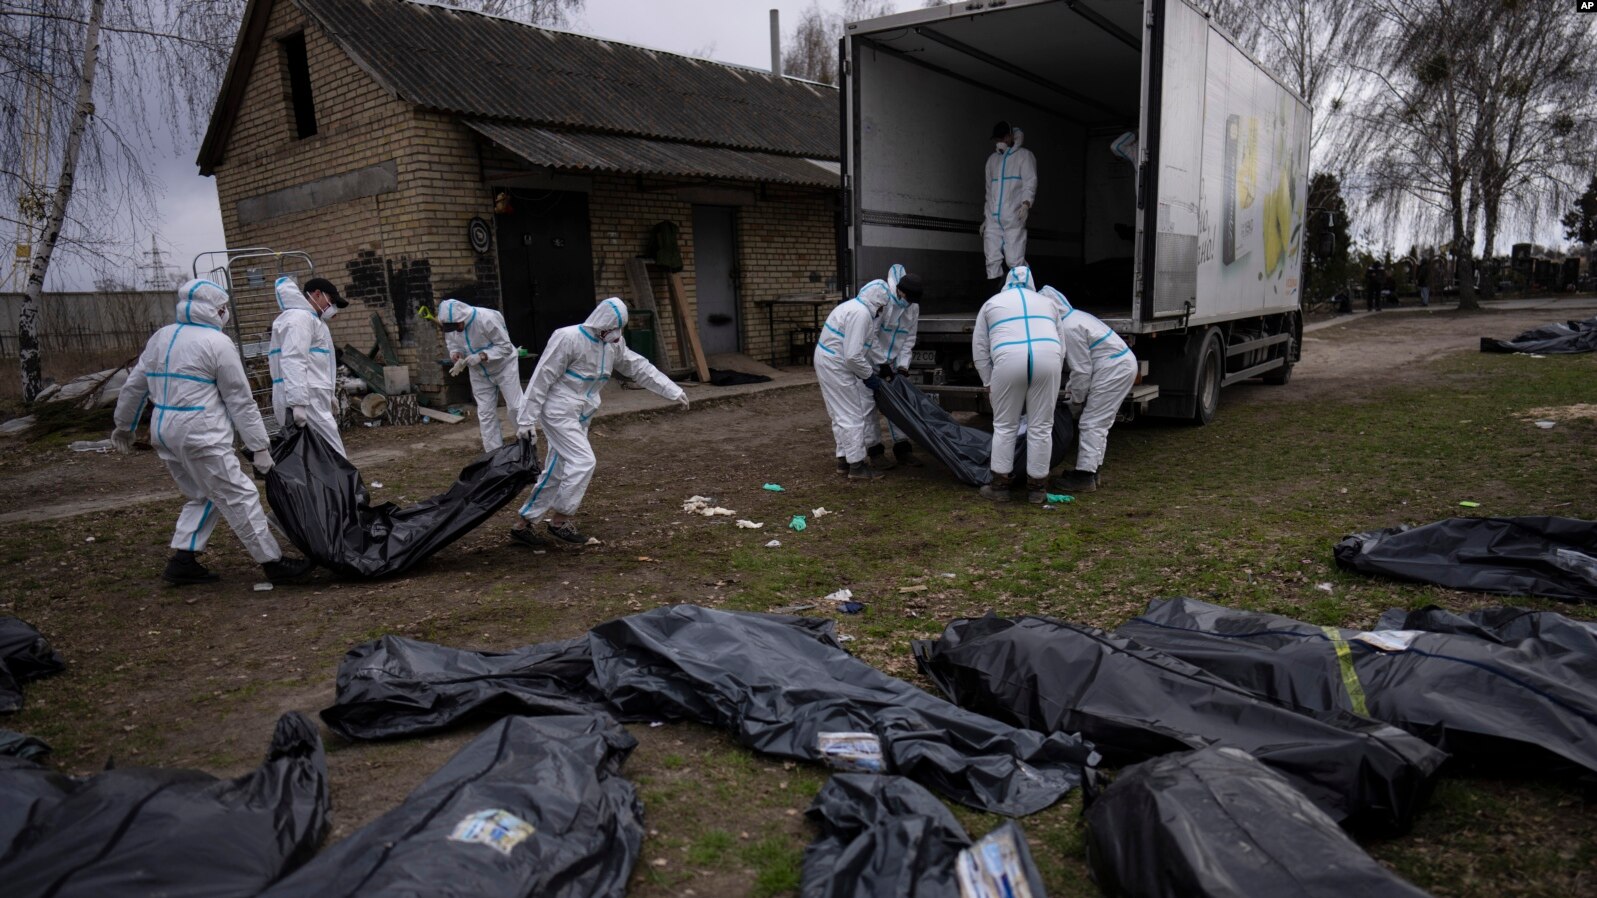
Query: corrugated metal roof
x=586, y=151
x=490, y=68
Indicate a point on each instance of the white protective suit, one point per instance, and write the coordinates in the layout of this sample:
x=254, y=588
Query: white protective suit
x=564, y=392
x=500, y=375
x=895, y=338
x=192, y=373
x=304, y=367
x=1102, y=371
x=1011, y=183
x=1015, y=345
x=843, y=361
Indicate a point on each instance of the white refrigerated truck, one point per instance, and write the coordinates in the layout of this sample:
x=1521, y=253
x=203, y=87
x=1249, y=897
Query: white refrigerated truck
x=1192, y=253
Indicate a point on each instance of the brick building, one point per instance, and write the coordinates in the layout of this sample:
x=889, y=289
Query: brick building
x=374, y=134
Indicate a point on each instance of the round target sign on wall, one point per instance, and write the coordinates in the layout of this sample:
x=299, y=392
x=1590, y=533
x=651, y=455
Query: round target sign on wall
x=481, y=238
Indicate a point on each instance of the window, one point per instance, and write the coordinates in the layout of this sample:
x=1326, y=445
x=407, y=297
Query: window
x=299, y=84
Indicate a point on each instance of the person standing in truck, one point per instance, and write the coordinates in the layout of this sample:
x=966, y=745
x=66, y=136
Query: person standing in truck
x=1011, y=189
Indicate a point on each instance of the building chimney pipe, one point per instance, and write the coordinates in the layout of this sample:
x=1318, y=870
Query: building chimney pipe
x=776, y=42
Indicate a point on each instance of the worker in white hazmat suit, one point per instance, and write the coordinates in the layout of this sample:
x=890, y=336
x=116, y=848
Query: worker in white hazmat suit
x=304, y=367
x=843, y=370
x=1102, y=372
x=560, y=400
x=1011, y=189
x=890, y=353
x=191, y=373
x=477, y=339
x=1015, y=346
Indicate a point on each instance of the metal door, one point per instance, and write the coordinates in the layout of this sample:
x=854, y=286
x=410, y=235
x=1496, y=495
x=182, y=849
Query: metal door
x=715, y=276
x=545, y=264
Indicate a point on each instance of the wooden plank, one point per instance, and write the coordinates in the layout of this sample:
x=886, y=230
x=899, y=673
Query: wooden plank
x=365, y=368
x=436, y=415
x=687, y=325
x=384, y=344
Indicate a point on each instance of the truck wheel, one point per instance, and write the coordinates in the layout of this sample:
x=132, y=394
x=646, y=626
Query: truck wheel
x=1207, y=377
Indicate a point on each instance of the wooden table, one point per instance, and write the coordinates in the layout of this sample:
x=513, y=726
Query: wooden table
x=814, y=300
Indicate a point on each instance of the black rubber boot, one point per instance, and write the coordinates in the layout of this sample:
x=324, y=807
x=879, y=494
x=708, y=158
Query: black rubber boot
x=287, y=568
x=862, y=471
x=904, y=451
x=183, y=569
x=877, y=457
x=1037, y=490
x=998, y=488
x=1079, y=482
x=842, y=465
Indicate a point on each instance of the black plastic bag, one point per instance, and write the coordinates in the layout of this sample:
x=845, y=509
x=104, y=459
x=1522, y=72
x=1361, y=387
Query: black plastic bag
x=173, y=833
x=400, y=687
x=965, y=450
x=24, y=655
x=1519, y=708
x=534, y=806
x=793, y=691
x=1549, y=339
x=885, y=835
x=16, y=745
x=1529, y=556
x=1133, y=702
x=1217, y=822
x=1503, y=625
x=321, y=504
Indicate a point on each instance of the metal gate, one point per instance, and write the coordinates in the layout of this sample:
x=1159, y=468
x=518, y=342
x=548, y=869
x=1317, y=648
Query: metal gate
x=250, y=278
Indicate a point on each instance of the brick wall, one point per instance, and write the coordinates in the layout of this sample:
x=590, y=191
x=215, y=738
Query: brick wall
x=398, y=250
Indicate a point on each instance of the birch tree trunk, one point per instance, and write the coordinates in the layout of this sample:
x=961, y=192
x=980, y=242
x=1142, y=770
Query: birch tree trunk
x=28, y=320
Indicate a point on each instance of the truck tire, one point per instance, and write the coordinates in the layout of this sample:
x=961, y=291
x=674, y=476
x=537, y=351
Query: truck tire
x=1206, y=379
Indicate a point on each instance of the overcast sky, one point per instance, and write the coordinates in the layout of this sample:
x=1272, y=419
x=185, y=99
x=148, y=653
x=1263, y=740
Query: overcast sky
x=737, y=31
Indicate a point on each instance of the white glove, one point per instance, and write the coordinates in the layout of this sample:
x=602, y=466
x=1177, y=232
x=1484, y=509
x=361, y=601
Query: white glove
x=122, y=440
x=683, y=401
x=262, y=460
x=527, y=433
x=459, y=366
x=301, y=417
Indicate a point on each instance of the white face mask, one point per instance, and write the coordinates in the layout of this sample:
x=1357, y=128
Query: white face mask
x=1002, y=146
x=329, y=313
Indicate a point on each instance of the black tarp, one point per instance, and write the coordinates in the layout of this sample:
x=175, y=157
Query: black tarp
x=1503, y=625
x=17, y=745
x=793, y=691
x=24, y=656
x=1549, y=339
x=136, y=831
x=966, y=451
x=1216, y=822
x=1133, y=702
x=321, y=504
x=394, y=686
x=1518, y=708
x=887, y=836
x=1529, y=556
x=534, y=806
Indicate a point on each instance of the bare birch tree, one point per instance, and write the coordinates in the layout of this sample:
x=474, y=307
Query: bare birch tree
x=810, y=51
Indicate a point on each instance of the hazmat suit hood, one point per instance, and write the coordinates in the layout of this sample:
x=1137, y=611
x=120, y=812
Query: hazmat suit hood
x=1021, y=277
x=202, y=302
x=453, y=311
x=875, y=296
x=294, y=299
x=607, y=319
x=894, y=275
x=1059, y=298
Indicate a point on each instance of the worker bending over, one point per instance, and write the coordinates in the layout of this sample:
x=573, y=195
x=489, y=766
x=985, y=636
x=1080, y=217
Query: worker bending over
x=477, y=339
x=890, y=354
x=1102, y=371
x=842, y=367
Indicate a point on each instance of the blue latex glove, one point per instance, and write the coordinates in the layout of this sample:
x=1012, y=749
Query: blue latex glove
x=873, y=382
